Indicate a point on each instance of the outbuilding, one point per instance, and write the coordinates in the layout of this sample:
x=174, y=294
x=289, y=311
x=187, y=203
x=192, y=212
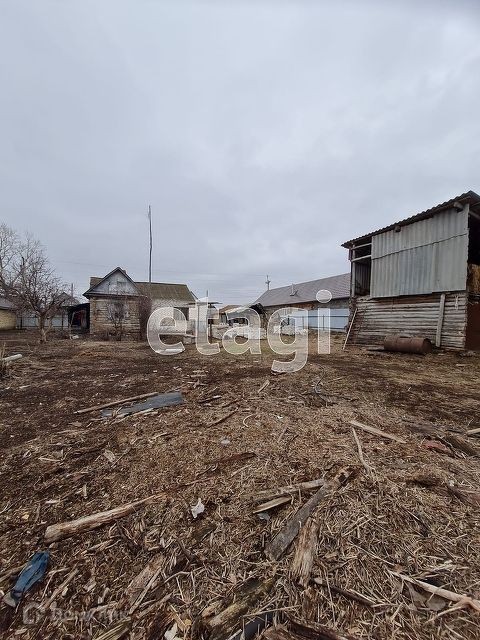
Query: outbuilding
x=420, y=277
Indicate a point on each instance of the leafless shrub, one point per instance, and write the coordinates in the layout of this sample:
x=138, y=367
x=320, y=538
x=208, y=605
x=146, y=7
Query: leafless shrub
x=27, y=278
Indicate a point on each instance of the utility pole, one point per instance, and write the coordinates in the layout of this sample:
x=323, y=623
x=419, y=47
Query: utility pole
x=267, y=282
x=150, y=257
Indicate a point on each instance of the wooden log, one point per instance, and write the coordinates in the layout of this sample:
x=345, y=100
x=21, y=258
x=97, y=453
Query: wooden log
x=62, y=530
x=225, y=623
x=284, y=538
x=377, y=432
x=289, y=490
x=314, y=631
x=116, y=402
x=305, y=552
x=464, y=600
x=461, y=444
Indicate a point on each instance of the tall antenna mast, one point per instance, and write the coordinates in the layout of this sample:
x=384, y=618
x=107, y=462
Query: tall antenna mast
x=267, y=282
x=150, y=257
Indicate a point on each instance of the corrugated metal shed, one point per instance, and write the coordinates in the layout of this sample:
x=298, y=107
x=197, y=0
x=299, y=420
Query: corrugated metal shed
x=427, y=256
x=339, y=287
x=470, y=197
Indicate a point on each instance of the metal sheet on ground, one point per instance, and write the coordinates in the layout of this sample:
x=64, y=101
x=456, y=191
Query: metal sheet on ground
x=157, y=402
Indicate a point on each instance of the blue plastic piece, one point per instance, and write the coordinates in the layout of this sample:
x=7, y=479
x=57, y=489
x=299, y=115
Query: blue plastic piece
x=30, y=574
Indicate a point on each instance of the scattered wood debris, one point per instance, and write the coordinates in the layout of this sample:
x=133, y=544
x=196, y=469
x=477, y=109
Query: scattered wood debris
x=305, y=552
x=246, y=599
x=284, y=538
x=61, y=530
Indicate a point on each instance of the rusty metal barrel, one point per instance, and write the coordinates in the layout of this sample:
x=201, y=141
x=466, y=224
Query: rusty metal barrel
x=407, y=344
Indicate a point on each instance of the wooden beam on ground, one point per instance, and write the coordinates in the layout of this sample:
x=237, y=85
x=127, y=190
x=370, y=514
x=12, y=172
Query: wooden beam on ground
x=116, y=402
x=377, y=432
x=62, y=530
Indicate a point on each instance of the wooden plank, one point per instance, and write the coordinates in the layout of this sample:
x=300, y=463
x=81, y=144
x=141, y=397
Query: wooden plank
x=305, y=553
x=271, y=504
x=116, y=402
x=284, y=538
x=377, y=432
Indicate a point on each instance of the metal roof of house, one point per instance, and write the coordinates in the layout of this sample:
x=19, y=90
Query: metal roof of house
x=470, y=197
x=339, y=287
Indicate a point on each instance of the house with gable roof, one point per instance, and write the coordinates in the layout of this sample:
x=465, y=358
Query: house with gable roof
x=118, y=305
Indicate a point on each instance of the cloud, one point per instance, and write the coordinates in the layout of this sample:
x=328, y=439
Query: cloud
x=263, y=134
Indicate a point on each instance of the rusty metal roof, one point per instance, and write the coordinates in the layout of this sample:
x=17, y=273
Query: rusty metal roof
x=469, y=197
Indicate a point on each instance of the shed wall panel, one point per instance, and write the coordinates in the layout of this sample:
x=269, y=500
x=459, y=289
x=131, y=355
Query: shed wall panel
x=425, y=257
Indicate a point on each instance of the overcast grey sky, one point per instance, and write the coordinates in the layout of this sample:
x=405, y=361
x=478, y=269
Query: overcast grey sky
x=264, y=134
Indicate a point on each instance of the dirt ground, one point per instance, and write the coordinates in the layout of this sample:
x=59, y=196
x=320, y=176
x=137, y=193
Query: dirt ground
x=411, y=508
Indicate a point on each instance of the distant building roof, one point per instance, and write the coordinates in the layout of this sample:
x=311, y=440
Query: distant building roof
x=175, y=293
x=339, y=287
x=470, y=197
x=229, y=307
x=6, y=304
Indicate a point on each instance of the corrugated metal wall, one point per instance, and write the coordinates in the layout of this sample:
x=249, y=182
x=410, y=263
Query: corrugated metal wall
x=423, y=257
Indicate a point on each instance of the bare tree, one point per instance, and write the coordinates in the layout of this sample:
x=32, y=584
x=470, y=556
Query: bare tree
x=117, y=313
x=144, y=311
x=27, y=278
